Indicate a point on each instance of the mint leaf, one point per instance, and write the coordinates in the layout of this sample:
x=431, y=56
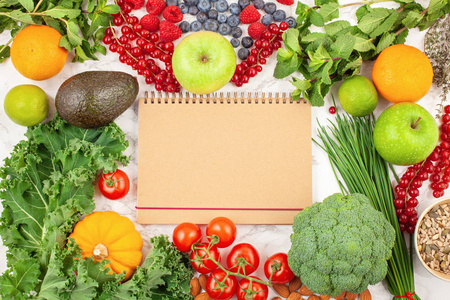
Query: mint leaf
x=21, y=17
x=287, y=67
x=412, y=19
x=300, y=84
x=326, y=72
x=313, y=36
x=386, y=25
x=296, y=94
x=329, y=11
x=4, y=53
x=111, y=9
x=283, y=55
x=343, y=46
x=337, y=27
x=315, y=95
x=72, y=33
x=373, y=20
x=354, y=65
x=363, y=11
x=386, y=40
x=316, y=18
x=363, y=44
x=59, y=12
x=27, y=4
x=290, y=38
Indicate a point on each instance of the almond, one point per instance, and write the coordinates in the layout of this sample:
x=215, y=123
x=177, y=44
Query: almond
x=350, y=296
x=341, y=296
x=365, y=295
x=313, y=297
x=325, y=297
x=295, y=284
x=294, y=296
x=281, y=289
x=195, y=286
x=202, y=296
x=202, y=280
x=305, y=291
x=277, y=298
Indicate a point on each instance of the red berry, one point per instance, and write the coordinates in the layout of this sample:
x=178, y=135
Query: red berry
x=445, y=145
x=399, y=203
x=416, y=183
x=402, y=226
x=258, y=68
x=332, y=110
x=434, y=156
x=250, y=14
x=169, y=32
x=422, y=175
x=410, y=211
x=284, y=26
x=155, y=7
x=438, y=194
x=413, y=220
x=412, y=202
x=447, y=109
x=273, y=28
x=256, y=30
x=410, y=229
x=403, y=183
x=413, y=192
x=117, y=21
x=403, y=219
x=435, y=178
x=286, y=2
x=172, y=13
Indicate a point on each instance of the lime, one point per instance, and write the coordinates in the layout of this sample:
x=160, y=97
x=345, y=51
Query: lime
x=358, y=96
x=26, y=104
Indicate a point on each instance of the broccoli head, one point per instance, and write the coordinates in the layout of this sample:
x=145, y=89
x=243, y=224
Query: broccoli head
x=340, y=244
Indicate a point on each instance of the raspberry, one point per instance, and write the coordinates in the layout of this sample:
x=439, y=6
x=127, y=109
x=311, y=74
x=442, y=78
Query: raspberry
x=168, y=31
x=172, y=14
x=250, y=15
x=255, y=30
x=137, y=4
x=155, y=7
x=286, y=2
x=150, y=22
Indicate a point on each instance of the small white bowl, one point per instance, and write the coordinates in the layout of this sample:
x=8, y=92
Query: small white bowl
x=438, y=274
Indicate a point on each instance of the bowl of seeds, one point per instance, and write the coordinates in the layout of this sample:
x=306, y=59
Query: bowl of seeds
x=432, y=239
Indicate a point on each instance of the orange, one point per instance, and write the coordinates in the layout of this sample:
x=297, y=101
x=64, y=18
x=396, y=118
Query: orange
x=36, y=54
x=402, y=73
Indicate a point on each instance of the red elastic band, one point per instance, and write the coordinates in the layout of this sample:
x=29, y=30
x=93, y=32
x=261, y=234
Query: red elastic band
x=408, y=295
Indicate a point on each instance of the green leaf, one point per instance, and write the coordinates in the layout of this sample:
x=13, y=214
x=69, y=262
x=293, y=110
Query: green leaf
x=54, y=281
x=287, y=67
x=343, y=46
x=290, y=38
x=64, y=42
x=296, y=94
x=329, y=11
x=8, y=3
x=283, y=55
x=22, y=17
x=100, y=48
x=300, y=84
x=91, y=6
x=363, y=44
x=313, y=36
x=5, y=53
x=59, y=12
x=386, y=25
x=111, y=9
x=354, y=65
x=315, y=95
x=401, y=37
x=386, y=40
x=303, y=13
x=373, y=20
x=337, y=27
x=412, y=19
x=326, y=72
x=322, y=2
x=72, y=33
x=362, y=11
x=316, y=18
x=27, y=4
x=436, y=6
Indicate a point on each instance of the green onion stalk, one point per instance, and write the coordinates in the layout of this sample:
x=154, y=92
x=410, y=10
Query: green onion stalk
x=350, y=148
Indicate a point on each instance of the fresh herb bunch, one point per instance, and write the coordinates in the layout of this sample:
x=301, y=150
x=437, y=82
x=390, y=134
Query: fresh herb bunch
x=350, y=148
x=437, y=48
x=324, y=58
x=82, y=23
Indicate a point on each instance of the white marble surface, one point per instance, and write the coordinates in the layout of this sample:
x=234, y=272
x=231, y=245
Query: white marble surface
x=267, y=239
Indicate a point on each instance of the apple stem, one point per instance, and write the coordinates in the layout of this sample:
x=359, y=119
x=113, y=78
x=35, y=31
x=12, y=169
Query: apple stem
x=415, y=123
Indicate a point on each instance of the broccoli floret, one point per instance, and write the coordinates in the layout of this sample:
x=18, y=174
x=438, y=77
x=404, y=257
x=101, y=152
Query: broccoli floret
x=340, y=244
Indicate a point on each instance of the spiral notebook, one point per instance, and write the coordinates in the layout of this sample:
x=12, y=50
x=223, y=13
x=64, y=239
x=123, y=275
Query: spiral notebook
x=243, y=156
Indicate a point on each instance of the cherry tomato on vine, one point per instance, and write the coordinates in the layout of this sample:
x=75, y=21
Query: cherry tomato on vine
x=257, y=291
x=224, y=229
x=200, y=259
x=220, y=286
x=243, y=259
x=185, y=235
x=114, y=185
x=278, y=265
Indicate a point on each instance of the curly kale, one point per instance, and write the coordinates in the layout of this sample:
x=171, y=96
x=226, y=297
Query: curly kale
x=341, y=244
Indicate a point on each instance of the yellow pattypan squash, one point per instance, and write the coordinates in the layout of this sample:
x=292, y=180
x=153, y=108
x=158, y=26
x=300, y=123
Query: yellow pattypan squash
x=108, y=235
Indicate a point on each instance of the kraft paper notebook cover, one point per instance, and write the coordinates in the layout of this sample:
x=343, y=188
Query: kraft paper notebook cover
x=245, y=157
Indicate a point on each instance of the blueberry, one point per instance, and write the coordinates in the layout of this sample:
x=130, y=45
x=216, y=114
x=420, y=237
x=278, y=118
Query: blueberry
x=202, y=17
x=222, y=18
x=193, y=10
x=247, y=42
x=236, y=32
x=243, y=3
x=221, y=5
x=234, y=42
x=196, y=26
x=212, y=14
x=213, y=0
x=291, y=22
x=191, y=2
x=235, y=9
x=204, y=5
x=258, y=4
x=243, y=53
x=184, y=26
x=233, y=20
x=224, y=29
x=183, y=7
x=211, y=25
x=172, y=2
x=279, y=15
x=270, y=7
x=267, y=19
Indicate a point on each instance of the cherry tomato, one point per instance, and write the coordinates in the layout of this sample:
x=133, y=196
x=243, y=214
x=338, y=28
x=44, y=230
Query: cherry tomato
x=257, y=291
x=219, y=286
x=200, y=261
x=243, y=259
x=278, y=265
x=224, y=229
x=185, y=235
x=114, y=185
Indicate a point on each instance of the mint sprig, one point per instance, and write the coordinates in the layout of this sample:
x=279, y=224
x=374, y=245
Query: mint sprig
x=326, y=57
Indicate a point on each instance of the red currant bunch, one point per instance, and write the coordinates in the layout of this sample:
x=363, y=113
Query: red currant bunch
x=142, y=50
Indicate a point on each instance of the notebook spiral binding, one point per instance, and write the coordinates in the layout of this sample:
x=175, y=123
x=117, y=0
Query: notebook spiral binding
x=220, y=97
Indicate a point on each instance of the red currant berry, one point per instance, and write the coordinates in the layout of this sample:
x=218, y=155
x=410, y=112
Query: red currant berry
x=239, y=69
x=267, y=35
x=403, y=183
x=410, y=229
x=403, y=218
x=107, y=39
x=445, y=178
x=437, y=194
x=258, y=68
x=258, y=44
x=127, y=8
x=245, y=78
x=433, y=156
x=113, y=47
x=132, y=36
x=123, y=39
x=149, y=80
x=117, y=21
x=168, y=46
x=332, y=110
x=276, y=45
x=159, y=86
x=239, y=83
x=125, y=29
x=123, y=58
x=445, y=145
x=399, y=211
x=410, y=211
x=145, y=33
x=254, y=52
x=137, y=27
x=402, y=227
x=435, y=178
x=447, y=109
x=413, y=192
x=413, y=220
x=422, y=175
x=399, y=203
x=262, y=61
x=251, y=59
x=416, y=183
x=141, y=42
x=273, y=28
x=154, y=37
x=284, y=26
x=412, y=202
x=110, y=31
x=235, y=78
x=401, y=194
x=446, y=118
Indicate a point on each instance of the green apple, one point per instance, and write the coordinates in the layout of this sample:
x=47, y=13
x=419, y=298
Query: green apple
x=405, y=134
x=203, y=62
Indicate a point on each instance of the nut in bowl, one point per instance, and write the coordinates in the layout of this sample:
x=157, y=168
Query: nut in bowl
x=432, y=239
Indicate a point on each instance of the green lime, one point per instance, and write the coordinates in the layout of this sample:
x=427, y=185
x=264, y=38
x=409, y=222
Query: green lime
x=26, y=104
x=358, y=96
